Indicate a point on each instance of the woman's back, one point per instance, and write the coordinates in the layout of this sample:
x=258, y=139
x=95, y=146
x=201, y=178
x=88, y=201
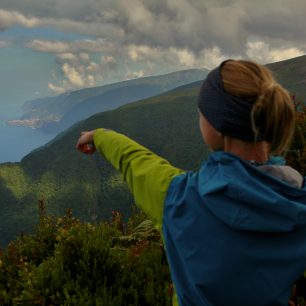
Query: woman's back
x=234, y=234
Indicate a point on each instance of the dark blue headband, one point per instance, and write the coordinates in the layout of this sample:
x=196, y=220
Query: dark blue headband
x=229, y=115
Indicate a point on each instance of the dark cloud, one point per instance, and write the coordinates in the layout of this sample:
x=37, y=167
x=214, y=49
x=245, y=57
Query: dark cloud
x=191, y=24
x=281, y=24
x=155, y=36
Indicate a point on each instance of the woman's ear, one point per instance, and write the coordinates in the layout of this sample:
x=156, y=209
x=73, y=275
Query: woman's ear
x=213, y=138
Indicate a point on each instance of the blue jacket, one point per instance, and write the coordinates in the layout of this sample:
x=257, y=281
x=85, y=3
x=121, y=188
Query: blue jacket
x=234, y=234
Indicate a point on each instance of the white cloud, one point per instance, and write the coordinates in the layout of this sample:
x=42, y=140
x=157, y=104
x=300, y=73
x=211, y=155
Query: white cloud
x=134, y=75
x=91, y=81
x=92, y=67
x=210, y=58
x=76, y=73
x=74, y=76
x=139, y=17
x=140, y=37
x=84, y=57
x=181, y=24
x=108, y=59
x=5, y=43
x=57, y=46
x=282, y=54
x=11, y=18
x=74, y=60
x=133, y=54
x=56, y=89
x=185, y=57
x=177, y=58
x=48, y=46
x=91, y=45
x=67, y=56
x=142, y=52
x=81, y=70
x=262, y=52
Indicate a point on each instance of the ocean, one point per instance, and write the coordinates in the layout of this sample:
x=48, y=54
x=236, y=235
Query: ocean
x=18, y=141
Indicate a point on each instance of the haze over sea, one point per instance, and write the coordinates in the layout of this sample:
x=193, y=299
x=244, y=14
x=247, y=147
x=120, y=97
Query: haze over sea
x=18, y=141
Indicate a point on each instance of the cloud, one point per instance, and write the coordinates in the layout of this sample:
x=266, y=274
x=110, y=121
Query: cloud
x=177, y=58
x=185, y=57
x=212, y=57
x=5, y=44
x=78, y=70
x=134, y=75
x=56, y=46
x=181, y=24
x=67, y=56
x=75, y=62
x=11, y=18
x=262, y=52
x=109, y=59
x=93, y=67
x=134, y=38
x=48, y=46
x=56, y=89
x=279, y=23
x=73, y=75
x=84, y=57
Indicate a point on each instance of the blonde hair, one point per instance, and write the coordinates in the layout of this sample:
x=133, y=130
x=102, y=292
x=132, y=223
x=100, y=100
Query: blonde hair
x=273, y=113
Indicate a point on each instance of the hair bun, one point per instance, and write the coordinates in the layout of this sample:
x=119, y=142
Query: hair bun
x=269, y=87
x=273, y=113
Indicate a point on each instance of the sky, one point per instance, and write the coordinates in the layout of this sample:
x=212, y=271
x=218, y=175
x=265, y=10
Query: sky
x=48, y=47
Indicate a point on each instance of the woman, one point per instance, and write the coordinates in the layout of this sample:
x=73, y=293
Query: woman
x=235, y=230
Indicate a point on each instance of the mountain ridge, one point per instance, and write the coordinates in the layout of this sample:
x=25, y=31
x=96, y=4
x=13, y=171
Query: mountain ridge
x=54, y=114
x=167, y=124
x=57, y=173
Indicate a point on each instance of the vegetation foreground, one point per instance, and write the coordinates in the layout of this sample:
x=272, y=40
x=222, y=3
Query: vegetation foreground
x=70, y=262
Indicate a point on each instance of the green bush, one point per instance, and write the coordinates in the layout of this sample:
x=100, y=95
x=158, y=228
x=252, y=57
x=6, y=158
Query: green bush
x=69, y=262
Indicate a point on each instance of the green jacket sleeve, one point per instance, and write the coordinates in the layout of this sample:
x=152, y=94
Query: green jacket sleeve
x=147, y=175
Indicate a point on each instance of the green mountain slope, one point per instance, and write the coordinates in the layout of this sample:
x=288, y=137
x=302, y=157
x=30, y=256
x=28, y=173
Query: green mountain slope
x=57, y=173
x=292, y=74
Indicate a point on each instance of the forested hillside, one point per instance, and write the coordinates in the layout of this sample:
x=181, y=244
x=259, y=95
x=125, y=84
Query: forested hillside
x=115, y=263
x=57, y=173
x=64, y=178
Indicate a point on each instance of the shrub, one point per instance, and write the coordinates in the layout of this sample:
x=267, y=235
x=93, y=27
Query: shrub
x=69, y=262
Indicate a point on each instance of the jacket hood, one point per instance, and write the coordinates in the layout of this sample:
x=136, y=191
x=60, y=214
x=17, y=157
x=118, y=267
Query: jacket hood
x=270, y=198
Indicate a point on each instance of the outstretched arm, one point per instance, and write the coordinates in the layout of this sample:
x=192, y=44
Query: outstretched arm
x=147, y=175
